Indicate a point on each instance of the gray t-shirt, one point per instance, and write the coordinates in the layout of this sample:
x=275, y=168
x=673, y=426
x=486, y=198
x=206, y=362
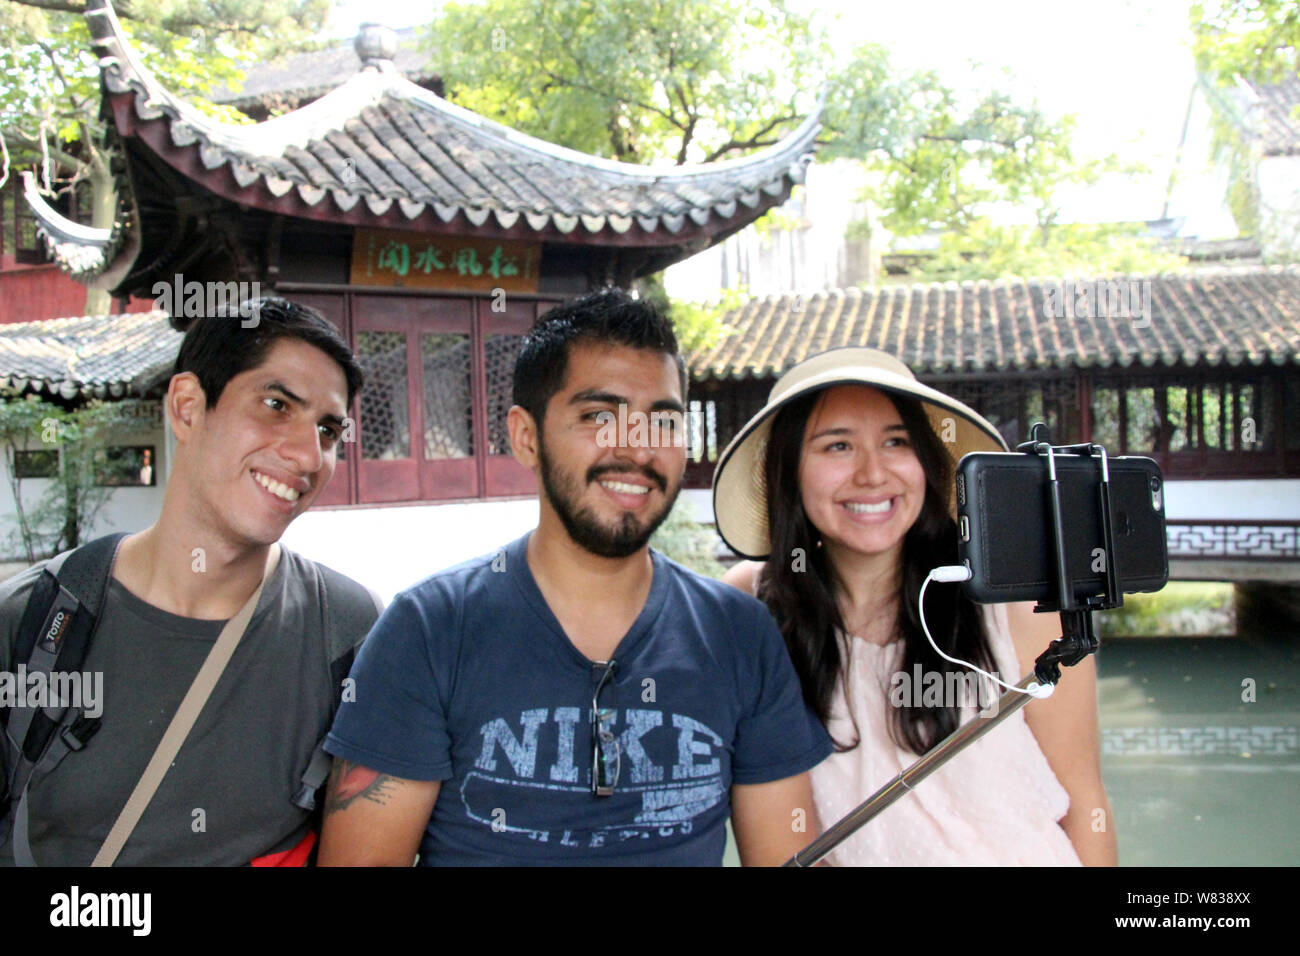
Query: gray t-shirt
x=227, y=798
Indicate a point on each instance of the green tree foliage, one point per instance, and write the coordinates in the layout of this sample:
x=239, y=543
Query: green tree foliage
x=688, y=542
x=73, y=498
x=49, y=78
x=960, y=167
x=699, y=325
x=635, y=80
x=1256, y=39
x=687, y=80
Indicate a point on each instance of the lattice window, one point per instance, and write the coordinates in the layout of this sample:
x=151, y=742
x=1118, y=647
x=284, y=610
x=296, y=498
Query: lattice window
x=1218, y=539
x=385, y=415
x=448, y=408
x=1180, y=418
x=1105, y=419
x=19, y=222
x=1214, y=415
x=1143, y=421
x=500, y=352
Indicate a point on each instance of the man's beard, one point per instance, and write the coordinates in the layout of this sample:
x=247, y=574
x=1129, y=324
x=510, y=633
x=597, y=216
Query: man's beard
x=582, y=525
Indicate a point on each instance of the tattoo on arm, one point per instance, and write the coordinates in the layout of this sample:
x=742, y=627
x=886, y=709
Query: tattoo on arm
x=349, y=782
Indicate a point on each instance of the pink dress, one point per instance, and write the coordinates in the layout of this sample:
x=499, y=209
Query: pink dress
x=995, y=803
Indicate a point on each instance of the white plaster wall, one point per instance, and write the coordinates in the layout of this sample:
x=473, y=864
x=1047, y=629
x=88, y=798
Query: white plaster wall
x=1279, y=208
x=389, y=549
x=809, y=258
x=1275, y=499
x=126, y=509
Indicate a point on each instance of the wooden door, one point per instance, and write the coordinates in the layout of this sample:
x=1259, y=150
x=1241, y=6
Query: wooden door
x=416, y=417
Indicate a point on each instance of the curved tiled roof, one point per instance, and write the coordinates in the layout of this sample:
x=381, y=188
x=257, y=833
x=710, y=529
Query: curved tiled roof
x=83, y=252
x=1231, y=316
x=92, y=356
x=1268, y=111
x=380, y=141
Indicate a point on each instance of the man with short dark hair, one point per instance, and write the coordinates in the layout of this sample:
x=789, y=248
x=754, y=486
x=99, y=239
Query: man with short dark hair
x=257, y=414
x=577, y=698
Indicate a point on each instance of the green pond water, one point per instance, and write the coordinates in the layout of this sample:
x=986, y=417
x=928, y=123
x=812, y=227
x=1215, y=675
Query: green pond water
x=1198, y=773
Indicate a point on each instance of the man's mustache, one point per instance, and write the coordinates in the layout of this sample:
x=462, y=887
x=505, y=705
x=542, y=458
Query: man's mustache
x=595, y=473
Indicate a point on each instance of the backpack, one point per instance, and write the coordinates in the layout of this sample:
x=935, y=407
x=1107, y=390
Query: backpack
x=55, y=634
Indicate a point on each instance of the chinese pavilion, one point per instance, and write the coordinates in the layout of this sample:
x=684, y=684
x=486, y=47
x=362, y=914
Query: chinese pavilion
x=431, y=236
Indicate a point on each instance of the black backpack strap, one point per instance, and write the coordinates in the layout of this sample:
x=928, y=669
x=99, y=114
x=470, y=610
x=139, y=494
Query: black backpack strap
x=66, y=600
x=58, y=624
x=74, y=733
x=344, y=601
x=318, y=770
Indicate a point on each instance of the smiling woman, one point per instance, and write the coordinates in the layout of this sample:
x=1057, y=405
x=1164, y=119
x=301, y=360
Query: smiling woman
x=843, y=484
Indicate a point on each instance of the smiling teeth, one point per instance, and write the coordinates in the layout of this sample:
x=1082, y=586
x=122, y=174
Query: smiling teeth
x=277, y=488
x=626, y=489
x=862, y=509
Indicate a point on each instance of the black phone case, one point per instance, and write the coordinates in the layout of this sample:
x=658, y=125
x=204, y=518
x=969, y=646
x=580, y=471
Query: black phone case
x=1004, y=522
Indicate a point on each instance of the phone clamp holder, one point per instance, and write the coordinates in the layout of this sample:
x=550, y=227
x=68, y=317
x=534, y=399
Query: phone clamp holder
x=1077, y=639
x=1076, y=642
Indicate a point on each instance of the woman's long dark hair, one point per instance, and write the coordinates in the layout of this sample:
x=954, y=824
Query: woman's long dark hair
x=798, y=586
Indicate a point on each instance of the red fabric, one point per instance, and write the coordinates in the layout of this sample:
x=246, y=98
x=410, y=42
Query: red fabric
x=294, y=856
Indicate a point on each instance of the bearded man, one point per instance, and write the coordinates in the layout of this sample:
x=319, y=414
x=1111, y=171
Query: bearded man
x=577, y=698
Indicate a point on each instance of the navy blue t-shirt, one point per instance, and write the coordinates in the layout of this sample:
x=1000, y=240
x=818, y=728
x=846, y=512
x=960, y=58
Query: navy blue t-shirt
x=469, y=679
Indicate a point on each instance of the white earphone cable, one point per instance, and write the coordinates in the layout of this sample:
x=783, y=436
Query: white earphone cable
x=957, y=572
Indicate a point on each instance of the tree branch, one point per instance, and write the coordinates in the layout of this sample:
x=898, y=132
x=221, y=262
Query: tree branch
x=575, y=84
x=968, y=139
x=755, y=140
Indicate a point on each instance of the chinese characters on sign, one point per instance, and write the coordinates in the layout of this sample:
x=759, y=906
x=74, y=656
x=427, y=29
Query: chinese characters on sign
x=382, y=257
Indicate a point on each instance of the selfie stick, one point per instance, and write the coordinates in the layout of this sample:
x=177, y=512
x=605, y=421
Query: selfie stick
x=1077, y=641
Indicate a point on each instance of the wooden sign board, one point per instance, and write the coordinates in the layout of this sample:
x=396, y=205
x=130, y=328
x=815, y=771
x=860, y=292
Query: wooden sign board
x=411, y=260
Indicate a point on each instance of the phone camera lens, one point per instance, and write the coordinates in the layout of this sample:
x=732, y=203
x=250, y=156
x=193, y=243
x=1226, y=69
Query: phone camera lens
x=1155, y=483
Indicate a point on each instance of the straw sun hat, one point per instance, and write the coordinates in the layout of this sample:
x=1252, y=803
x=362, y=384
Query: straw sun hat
x=739, y=485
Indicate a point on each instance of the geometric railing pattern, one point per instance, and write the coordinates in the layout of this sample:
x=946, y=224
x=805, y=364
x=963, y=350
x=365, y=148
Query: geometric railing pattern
x=1263, y=541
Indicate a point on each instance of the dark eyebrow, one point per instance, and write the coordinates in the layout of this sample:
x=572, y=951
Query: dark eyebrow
x=596, y=395
x=824, y=433
x=278, y=387
x=328, y=419
x=609, y=398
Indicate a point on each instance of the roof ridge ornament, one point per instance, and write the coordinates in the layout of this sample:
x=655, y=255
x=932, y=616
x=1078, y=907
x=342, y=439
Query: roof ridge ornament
x=376, y=46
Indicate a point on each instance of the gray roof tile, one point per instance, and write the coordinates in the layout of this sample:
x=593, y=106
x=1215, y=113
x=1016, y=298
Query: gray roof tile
x=1233, y=315
x=90, y=356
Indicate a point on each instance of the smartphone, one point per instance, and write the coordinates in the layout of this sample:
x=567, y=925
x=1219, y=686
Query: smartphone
x=1004, y=526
